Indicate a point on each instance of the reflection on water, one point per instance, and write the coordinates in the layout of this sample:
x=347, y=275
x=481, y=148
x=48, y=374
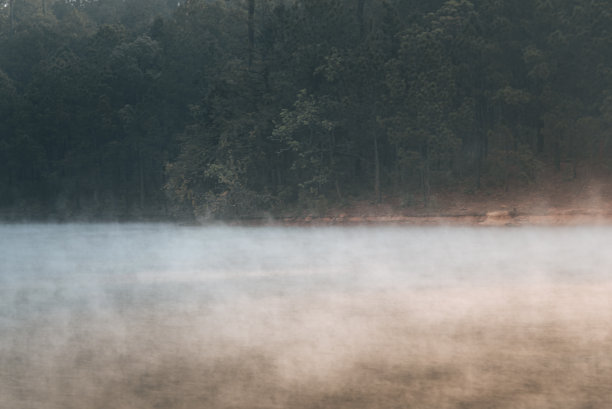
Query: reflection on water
x=154, y=315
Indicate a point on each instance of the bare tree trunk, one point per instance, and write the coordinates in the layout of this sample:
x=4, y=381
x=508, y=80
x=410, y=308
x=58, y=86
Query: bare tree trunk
x=251, y=30
x=44, y=7
x=360, y=5
x=507, y=170
x=425, y=177
x=141, y=179
x=557, y=155
x=376, y=170
x=574, y=156
x=332, y=165
x=426, y=186
x=12, y=14
x=97, y=175
x=478, y=169
x=480, y=148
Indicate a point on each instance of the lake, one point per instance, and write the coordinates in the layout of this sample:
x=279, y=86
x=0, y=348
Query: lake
x=166, y=316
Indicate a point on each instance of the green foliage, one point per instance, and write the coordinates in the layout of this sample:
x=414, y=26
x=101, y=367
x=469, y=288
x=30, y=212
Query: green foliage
x=509, y=159
x=130, y=108
x=306, y=138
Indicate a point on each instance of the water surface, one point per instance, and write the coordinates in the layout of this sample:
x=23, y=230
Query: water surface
x=158, y=315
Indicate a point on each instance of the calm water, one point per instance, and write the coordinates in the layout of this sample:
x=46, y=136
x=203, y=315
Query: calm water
x=156, y=315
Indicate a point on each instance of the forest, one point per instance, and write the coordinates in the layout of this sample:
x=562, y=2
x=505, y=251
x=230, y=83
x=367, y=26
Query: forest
x=226, y=109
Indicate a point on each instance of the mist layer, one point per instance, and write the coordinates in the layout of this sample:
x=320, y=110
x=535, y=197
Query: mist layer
x=141, y=316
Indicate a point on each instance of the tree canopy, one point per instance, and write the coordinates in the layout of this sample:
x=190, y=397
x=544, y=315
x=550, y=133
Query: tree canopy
x=128, y=108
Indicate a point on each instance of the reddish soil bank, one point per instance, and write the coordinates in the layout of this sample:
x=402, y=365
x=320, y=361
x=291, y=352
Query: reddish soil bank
x=494, y=218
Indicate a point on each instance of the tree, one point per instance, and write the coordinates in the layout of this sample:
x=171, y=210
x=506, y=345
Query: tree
x=308, y=143
x=421, y=84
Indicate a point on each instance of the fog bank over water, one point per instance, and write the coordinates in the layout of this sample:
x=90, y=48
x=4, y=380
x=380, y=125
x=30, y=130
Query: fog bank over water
x=155, y=315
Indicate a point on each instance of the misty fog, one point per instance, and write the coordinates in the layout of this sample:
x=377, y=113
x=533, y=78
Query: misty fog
x=165, y=316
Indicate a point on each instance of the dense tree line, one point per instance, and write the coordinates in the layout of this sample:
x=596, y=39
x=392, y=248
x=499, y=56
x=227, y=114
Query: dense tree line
x=115, y=108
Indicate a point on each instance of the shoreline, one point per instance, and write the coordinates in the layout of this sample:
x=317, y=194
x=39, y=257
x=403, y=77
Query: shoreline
x=494, y=218
x=498, y=218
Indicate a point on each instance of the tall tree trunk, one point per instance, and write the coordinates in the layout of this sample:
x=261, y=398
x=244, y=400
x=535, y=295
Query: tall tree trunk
x=481, y=154
x=376, y=170
x=540, y=143
x=97, y=174
x=574, y=157
x=141, y=179
x=251, y=30
x=557, y=155
x=360, y=5
x=425, y=177
x=480, y=141
x=12, y=14
x=507, y=169
x=426, y=185
x=333, y=166
x=44, y=7
x=479, y=165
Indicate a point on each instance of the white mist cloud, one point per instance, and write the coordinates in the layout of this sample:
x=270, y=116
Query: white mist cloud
x=154, y=315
